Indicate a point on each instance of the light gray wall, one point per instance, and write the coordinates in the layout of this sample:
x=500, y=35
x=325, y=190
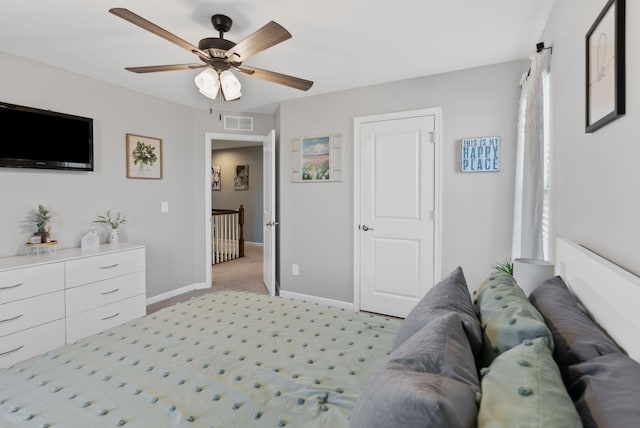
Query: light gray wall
x=175, y=240
x=594, y=176
x=316, y=219
x=229, y=198
x=76, y=198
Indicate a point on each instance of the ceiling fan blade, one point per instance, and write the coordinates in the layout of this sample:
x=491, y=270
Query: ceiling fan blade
x=272, y=76
x=171, y=67
x=127, y=15
x=269, y=35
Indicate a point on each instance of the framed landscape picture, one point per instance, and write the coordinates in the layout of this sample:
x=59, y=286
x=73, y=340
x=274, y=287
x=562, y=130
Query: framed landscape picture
x=144, y=157
x=316, y=159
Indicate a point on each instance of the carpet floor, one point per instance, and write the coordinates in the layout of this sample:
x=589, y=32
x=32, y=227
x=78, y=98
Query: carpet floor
x=243, y=274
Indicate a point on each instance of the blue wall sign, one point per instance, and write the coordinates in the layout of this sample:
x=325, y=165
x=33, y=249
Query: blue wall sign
x=481, y=154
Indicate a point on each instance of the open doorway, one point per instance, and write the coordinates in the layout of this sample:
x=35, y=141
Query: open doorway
x=243, y=186
x=236, y=201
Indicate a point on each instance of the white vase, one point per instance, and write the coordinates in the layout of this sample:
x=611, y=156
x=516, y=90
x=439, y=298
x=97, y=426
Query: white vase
x=113, y=237
x=530, y=273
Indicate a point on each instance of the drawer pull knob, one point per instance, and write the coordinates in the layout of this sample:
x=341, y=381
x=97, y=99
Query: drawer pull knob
x=12, y=319
x=12, y=286
x=112, y=316
x=12, y=351
x=110, y=292
x=110, y=266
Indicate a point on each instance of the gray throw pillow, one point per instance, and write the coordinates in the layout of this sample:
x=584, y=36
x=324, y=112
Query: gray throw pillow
x=429, y=381
x=451, y=294
x=576, y=336
x=606, y=391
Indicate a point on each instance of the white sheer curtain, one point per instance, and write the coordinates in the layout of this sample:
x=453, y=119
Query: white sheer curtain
x=529, y=187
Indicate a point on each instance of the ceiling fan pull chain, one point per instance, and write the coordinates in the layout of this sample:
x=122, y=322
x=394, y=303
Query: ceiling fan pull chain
x=220, y=107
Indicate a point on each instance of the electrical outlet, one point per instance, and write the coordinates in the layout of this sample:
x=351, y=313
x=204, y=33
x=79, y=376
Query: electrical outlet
x=295, y=270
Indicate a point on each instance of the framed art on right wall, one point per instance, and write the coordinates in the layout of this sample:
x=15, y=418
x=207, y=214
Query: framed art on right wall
x=605, y=67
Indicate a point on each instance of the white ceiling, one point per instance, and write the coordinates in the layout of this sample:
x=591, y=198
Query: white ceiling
x=338, y=44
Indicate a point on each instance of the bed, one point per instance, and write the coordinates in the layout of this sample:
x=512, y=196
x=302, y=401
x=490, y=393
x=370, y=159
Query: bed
x=227, y=359
x=234, y=359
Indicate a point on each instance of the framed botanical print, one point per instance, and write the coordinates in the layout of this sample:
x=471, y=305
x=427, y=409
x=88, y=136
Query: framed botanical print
x=144, y=157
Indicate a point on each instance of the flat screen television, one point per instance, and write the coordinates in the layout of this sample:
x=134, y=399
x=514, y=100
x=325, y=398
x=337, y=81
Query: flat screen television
x=34, y=138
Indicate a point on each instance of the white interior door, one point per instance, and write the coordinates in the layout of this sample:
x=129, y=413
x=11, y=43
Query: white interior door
x=397, y=188
x=269, y=211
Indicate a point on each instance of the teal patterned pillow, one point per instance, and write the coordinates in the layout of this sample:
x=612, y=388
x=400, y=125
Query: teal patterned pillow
x=523, y=388
x=507, y=317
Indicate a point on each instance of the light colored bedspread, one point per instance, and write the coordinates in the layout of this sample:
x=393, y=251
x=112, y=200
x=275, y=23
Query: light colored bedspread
x=227, y=359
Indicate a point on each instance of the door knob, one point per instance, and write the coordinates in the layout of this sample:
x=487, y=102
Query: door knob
x=366, y=228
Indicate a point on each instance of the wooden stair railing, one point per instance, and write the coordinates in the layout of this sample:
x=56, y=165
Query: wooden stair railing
x=227, y=234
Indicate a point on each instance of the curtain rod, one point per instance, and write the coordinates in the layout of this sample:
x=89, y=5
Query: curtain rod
x=540, y=47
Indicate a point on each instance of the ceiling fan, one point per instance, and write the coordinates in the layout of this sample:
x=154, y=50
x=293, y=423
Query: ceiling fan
x=219, y=55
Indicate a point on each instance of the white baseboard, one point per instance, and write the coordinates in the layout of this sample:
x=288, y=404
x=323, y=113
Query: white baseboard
x=329, y=302
x=257, y=244
x=176, y=292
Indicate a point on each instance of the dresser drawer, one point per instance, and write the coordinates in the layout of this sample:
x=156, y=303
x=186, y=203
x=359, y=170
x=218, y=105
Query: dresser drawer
x=104, y=317
x=24, y=314
x=104, y=266
x=91, y=296
x=31, y=342
x=16, y=284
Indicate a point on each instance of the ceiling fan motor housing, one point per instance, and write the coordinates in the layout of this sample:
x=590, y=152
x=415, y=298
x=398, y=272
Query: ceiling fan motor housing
x=222, y=23
x=217, y=47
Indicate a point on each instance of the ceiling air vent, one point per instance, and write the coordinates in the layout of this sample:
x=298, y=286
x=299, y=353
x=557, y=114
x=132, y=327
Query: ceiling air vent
x=238, y=123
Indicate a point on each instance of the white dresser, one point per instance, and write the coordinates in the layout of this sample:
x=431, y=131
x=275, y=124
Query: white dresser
x=53, y=299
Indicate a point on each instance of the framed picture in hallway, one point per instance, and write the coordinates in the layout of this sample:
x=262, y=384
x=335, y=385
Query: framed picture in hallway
x=241, y=179
x=215, y=177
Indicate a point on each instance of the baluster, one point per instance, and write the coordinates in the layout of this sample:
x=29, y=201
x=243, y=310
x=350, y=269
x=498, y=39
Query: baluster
x=235, y=236
x=217, y=239
x=226, y=237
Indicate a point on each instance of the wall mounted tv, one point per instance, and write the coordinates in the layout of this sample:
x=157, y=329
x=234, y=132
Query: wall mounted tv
x=34, y=138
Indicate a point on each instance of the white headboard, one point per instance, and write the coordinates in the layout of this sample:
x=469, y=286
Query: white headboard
x=610, y=293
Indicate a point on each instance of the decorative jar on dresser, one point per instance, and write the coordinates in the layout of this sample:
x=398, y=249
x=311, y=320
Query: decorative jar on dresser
x=49, y=300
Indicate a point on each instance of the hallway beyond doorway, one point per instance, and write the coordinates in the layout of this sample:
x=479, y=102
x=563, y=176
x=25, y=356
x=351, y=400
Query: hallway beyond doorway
x=243, y=274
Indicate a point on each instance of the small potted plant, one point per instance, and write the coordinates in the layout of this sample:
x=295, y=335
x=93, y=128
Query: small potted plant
x=41, y=217
x=506, y=267
x=114, y=223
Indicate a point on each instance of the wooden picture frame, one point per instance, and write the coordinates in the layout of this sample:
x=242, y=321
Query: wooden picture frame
x=144, y=157
x=605, y=67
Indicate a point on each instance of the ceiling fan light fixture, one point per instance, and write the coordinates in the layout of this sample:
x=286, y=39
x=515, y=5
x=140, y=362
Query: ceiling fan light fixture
x=208, y=83
x=230, y=85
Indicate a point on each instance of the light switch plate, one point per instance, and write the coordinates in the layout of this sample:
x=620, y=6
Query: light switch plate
x=164, y=206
